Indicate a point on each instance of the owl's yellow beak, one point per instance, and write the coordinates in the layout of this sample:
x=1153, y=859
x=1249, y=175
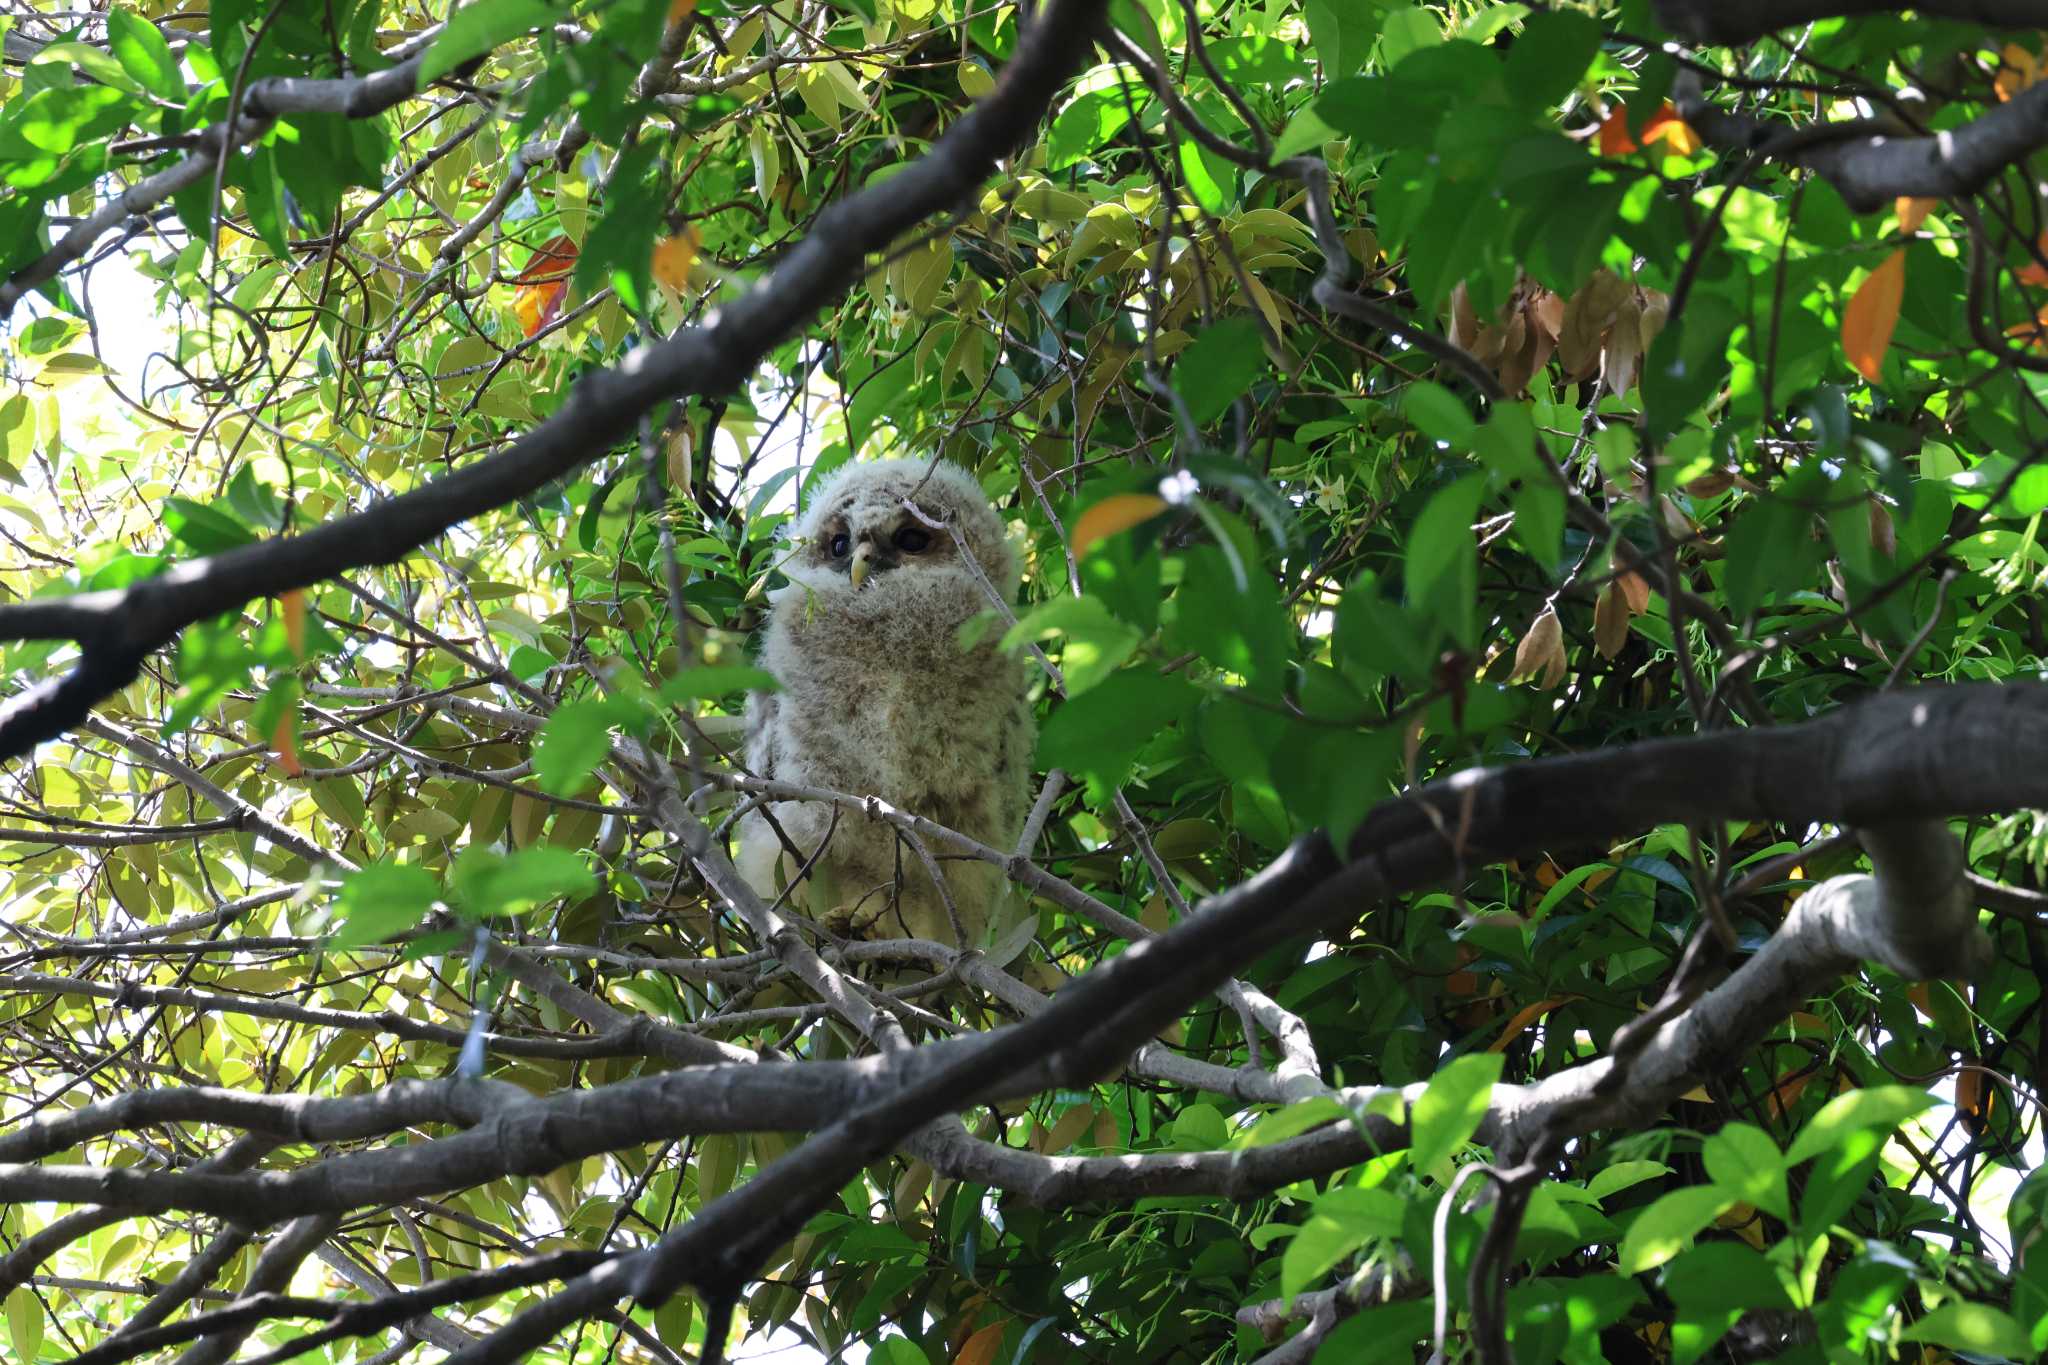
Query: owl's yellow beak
x=858, y=570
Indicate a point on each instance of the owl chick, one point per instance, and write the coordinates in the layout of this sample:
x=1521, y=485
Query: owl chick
x=878, y=698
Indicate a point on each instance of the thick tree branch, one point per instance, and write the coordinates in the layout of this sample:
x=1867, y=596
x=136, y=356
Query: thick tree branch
x=118, y=629
x=1893, y=758
x=1732, y=22
x=1870, y=165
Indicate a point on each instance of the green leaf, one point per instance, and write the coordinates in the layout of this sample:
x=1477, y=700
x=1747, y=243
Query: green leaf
x=91, y=61
x=1406, y=31
x=1550, y=54
x=262, y=196
x=708, y=682
x=1447, y=1113
x=1882, y=1107
x=1137, y=24
x=1097, y=643
x=1241, y=630
x=1100, y=733
x=1200, y=1128
x=1718, y=1275
x=203, y=529
x=1090, y=120
x=478, y=27
x=1506, y=445
x=1623, y=1175
x=895, y=1350
x=1838, y=1178
x=1376, y=637
x=24, y=1323
x=1744, y=1161
x=1662, y=1230
x=619, y=248
x=1864, y=1294
x=380, y=902
x=487, y=883
x=1438, y=414
x=144, y=54
x=1221, y=365
x=1693, y=1334
x=1343, y=1220
x=576, y=739
x=1768, y=550
x=1341, y=33
x=1387, y=1332
x=1975, y=1327
x=1293, y=1121
x=57, y=120
x=1443, y=556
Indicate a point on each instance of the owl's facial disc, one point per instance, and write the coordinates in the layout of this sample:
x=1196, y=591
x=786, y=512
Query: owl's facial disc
x=861, y=551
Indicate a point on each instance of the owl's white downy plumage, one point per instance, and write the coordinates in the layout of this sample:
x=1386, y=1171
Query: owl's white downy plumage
x=879, y=699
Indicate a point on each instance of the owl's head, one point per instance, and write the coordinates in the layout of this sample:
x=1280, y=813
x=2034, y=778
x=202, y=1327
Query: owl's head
x=857, y=535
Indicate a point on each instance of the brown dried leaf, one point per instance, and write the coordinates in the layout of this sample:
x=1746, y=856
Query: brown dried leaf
x=1610, y=621
x=1517, y=366
x=1464, y=328
x=1623, y=353
x=1636, y=589
x=1541, y=652
x=1587, y=317
x=1883, y=535
x=1547, y=309
x=1711, y=485
x=1656, y=308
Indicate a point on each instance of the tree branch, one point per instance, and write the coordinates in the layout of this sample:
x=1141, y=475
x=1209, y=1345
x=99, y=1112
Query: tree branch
x=1871, y=164
x=1733, y=22
x=118, y=629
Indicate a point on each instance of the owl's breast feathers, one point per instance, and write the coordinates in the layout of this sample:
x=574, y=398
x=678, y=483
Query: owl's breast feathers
x=887, y=703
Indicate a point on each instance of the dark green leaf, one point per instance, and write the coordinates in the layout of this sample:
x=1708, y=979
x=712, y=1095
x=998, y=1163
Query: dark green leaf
x=203, y=529
x=1219, y=367
x=1100, y=733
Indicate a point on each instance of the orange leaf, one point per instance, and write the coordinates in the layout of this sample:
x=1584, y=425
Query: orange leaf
x=544, y=284
x=1913, y=212
x=673, y=257
x=981, y=1348
x=1117, y=512
x=2035, y=331
x=1789, y=1088
x=284, y=742
x=1975, y=1097
x=1524, y=1017
x=2032, y=272
x=2017, y=69
x=1868, y=321
x=1666, y=124
x=1614, y=135
x=294, y=605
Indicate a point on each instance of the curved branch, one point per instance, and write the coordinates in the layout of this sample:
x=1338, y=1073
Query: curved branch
x=1870, y=164
x=118, y=629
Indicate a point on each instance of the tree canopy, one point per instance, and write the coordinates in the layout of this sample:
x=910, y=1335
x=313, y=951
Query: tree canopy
x=1532, y=524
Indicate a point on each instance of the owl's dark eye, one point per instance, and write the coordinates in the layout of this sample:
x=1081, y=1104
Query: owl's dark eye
x=839, y=545
x=913, y=541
